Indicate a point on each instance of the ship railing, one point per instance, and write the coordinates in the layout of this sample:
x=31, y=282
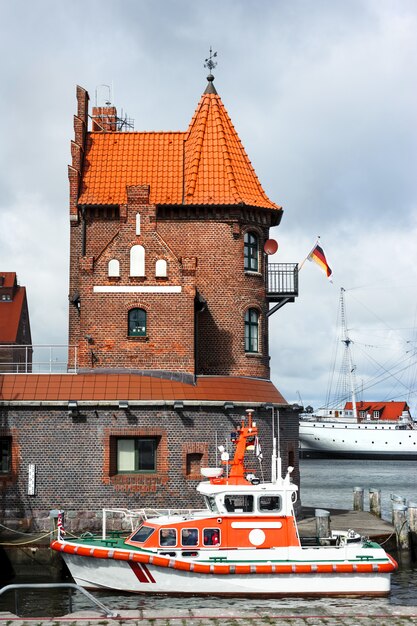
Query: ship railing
x=134, y=518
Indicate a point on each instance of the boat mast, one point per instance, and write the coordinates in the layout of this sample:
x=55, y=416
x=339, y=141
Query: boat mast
x=347, y=343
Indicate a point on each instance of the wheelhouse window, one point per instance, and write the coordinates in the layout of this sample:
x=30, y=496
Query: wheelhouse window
x=252, y=330
x=142, y=534
x=137, y=323
x=251, y=252
x=136, y=455
x=238, y=503
x=5, y=455
x=269, y=503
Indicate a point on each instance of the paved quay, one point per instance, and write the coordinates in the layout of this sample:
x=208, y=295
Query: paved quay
x=391, y=616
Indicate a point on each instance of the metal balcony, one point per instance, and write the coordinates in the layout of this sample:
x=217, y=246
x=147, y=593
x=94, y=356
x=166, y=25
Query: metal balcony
x=281, y=284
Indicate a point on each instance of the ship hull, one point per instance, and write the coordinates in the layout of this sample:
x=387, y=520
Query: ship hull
x=339, y=439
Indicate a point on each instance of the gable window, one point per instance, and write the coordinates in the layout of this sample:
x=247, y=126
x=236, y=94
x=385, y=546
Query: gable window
x=137, y=261
x=251, y=252
x=251, y=330
x=136, y=454
x=114, y=268
x=137, y=323
x=5, y=455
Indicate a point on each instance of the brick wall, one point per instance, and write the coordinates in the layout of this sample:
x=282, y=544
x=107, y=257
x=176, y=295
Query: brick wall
x=73, y=465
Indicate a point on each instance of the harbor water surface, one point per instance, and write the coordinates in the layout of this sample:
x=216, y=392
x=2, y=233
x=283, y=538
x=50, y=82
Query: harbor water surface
x=325, y=484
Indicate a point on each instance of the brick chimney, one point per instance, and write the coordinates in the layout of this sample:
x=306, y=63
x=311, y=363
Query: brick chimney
x=104, y=119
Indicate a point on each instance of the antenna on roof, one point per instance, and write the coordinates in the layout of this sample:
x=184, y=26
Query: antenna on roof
x=107, y=102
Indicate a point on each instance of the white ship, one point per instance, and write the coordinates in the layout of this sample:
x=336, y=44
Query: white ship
x=369, y=430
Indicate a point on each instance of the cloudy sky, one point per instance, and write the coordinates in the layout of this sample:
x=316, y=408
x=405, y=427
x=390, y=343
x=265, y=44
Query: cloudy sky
x=323, y=95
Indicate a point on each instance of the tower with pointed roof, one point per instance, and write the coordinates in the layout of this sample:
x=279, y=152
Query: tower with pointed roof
x=167, y=272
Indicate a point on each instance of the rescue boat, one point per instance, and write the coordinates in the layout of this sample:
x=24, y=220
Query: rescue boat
x=245, y=542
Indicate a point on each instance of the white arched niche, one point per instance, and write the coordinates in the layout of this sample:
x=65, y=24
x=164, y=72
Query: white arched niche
x=137, y=261
x=161, y=268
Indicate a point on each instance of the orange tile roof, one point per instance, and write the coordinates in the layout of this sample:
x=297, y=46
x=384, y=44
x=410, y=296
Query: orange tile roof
x=114, y=387
x=206, y=165
x=387, y=410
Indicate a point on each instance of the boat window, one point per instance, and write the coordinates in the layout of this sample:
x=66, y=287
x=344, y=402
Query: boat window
x=269, y=503
x=211, y=503
x=189, y=536
x=211, y=536
x=142, y=534
x=168, y=537
x=238, y=503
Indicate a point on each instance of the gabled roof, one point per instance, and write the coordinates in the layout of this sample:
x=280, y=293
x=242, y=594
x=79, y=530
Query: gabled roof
x=387, y=410
x=114, y=387
x=11, y=310
x=206, y=165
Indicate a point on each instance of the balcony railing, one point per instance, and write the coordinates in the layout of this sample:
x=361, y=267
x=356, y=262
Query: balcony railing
x=281, y=280
x=38, y=359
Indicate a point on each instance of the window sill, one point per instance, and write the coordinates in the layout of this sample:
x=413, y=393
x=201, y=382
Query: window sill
x=252, y=273
x=254, y=355
x=138, y=338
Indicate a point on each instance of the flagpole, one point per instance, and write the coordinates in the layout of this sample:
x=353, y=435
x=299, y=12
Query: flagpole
x=301, y=264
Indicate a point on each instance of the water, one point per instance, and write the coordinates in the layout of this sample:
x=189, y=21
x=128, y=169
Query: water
x=325, y=484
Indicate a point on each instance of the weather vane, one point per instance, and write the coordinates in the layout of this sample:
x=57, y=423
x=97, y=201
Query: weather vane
x=209, y=63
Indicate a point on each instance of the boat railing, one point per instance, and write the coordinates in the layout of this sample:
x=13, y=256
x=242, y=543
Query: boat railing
x=134, y=518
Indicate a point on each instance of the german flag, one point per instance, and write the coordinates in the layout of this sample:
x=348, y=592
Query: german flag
x=317, y=255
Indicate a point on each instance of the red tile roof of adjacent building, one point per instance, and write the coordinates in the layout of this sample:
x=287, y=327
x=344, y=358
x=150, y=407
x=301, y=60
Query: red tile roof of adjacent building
x=11, y=310
x=206, y=165
x=387, y=410
x=113, y=387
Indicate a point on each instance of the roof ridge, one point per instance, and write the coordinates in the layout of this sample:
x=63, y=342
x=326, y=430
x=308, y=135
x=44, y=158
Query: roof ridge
x=190, y=188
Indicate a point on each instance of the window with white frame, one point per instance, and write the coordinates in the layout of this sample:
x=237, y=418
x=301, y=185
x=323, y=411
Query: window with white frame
x=161, y=268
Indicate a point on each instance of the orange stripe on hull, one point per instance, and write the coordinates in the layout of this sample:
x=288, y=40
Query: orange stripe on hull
x=222, y=569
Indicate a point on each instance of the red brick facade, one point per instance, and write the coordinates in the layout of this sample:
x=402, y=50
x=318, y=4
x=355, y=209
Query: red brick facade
x=203, y=248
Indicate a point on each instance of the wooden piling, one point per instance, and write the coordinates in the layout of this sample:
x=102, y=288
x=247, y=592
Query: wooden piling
x=322, y=524
x=375, y=502
x=396, y=500
x=357, y=499
x=412, y=521
x=399, y=514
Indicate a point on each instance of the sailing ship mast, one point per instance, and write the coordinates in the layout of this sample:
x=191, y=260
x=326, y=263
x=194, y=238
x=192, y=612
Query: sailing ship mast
x=347, y=343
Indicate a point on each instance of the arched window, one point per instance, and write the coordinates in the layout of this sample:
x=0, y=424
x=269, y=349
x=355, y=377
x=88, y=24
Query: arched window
x=251, y=252
x=138, y=223
x=114, y=268
x=161, y=268
x=137, y=323
x=137, y=261
x=252, y=330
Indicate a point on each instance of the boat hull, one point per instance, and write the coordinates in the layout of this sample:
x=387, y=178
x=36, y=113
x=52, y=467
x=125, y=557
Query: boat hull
x=91, y=573
x=338, y=439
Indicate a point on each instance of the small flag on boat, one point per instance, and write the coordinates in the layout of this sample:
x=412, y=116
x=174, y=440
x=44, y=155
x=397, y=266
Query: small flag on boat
x=317, y=255
x=258, y=449
x=60, y=523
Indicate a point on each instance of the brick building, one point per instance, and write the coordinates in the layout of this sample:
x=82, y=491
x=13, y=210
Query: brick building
x=15, y=336
x=168, y=323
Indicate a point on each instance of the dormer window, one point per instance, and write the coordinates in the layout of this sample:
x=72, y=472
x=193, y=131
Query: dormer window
x=251, y=252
